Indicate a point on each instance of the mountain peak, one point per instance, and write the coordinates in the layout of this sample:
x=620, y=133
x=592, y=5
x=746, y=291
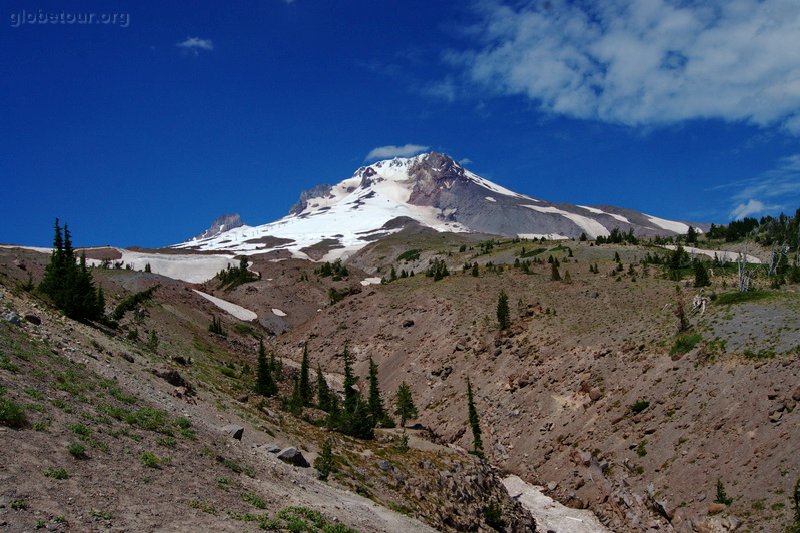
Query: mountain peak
x=432, y=189
x=221, y=224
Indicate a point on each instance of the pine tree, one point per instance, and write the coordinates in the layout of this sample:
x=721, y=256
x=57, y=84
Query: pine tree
x=147, y=268
x=69, y=285
x=355, y=418
x=700, y=275
x=404, y=404
x=503, y=318
x=306, y=394
x=265, y=384
x=393, y=274
x=324, y=461
x=323, y=392
x=475, y=271
x=554, y=275
x=474, y=422
x=374, y=399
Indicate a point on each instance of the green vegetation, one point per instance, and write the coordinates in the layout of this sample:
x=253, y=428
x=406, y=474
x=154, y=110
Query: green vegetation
x=437, y=269
x=355, y=418
x=133, y=301
x=374, y=399
x=335, y=270
x=265, y=384
x=232, y=277
x=301, y=519
x=12, y=414
x=409, y=255
x=69, y=284
x=503, y=317
x=19, y=505
x=324, y=461
x=404, y=404
x=152, y=460
x=254, y=500
x=722, y=496
x=474, y=422
x=730, y=298
x=216, y=327
x=56, y=473
x=493, y=514
x=77, y=450
x=685, y=343
x=639, y=406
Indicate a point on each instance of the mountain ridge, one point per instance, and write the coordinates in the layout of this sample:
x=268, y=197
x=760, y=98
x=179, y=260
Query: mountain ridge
x=435, y=191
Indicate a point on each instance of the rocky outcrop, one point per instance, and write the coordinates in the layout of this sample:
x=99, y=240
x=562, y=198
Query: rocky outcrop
x=220, y=225
x=318, y=191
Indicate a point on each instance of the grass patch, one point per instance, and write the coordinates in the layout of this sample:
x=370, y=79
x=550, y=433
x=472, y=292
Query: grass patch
x=103, y=515
x=730, y=298
x=168, y=442
x=57, y=473
x=685, y=343
x=200, y=505
x=152, y=460
x=254, y=500
x=80, y=429
x=19, y=505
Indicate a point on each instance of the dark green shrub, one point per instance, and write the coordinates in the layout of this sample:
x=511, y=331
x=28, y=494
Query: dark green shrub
x=639, y=406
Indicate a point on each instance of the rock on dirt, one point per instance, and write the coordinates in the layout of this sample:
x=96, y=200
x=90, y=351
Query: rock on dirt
x=294, y=457
x=233, y=431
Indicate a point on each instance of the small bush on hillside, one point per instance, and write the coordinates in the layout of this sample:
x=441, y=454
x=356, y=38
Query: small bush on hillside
x=12, y=414
x=639, y=406
x=685, y=344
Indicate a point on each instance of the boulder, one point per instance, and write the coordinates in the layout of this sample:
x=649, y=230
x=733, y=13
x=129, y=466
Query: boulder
x=716, y=508
x=33, y=319
x=294, y=457
x=11, y=317
x=408, y=323
x=384, y=465
x=595, y=394
x=173, y=377
x=233, y=431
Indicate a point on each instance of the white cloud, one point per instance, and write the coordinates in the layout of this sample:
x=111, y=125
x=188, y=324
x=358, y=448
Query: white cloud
x=752, y=207
x=465, y=161
x=389, y=151
x=195, y=44
x=644, y=62
x=779, y=186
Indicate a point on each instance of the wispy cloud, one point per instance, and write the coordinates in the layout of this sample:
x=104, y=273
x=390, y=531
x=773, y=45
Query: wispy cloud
x=388, y=151
x=465, y=161
x=770, y=191
x=645, y=62
x=195, y=44
x=752, y=207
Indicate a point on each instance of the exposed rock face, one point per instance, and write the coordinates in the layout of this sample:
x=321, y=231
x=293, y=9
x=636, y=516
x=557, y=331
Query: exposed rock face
x=317, y=191
x=221, y=225
x=294, y=457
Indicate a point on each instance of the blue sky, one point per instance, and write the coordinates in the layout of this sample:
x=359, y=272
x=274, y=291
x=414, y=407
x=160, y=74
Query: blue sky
x=140, y=128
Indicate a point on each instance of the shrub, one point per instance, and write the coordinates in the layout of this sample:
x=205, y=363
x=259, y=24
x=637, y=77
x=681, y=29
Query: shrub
x=493, y=514
x=685, y=344
x=12, y=414
x=77, y=450
x=56, y=473
x=254, y=500
x=639, y=406
x=324, y=461
x=150, y=459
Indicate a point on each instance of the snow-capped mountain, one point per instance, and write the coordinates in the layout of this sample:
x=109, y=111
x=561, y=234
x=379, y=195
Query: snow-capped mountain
x=432, y=190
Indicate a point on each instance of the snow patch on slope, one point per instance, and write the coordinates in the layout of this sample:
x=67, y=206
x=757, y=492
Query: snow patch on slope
x=671, y=225
x=232, y=309
x=601, y=212
x=722, y=255
x=592, y=227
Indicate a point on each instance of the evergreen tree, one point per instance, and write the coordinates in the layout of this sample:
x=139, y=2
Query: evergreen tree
x=306, y=394
x=554, y=275
x=374, y=399
x=323, y=392
x=147, y=268
x=691, y=235
x=392, y=274
x=701, y=275
x=404, y=404
x=503, y=318
x=475, y=271
x=69, y=285
x=324, y=461
x=265, y=384
x=355, y=418
x=474, y=422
